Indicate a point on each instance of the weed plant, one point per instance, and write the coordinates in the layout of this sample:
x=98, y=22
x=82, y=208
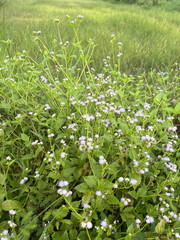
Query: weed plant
x=87, y=154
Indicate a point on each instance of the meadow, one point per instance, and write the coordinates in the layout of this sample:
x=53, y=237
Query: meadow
x=150, y=36
x=89, y=121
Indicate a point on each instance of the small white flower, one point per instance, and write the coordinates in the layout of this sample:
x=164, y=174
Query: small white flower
x=102, y=160
x=177, y=235
x=63, y=183
x=51, y=135
x=120, y=179
x=12, y=212
x=133, y=181
x=149, y=219
x=63, y=155
x=11, y=224
x=83, y=224
x=86, y=205
x=138, y=221
x=89, y=225
x=104, y=223
x=5, y=232
x=98, y=193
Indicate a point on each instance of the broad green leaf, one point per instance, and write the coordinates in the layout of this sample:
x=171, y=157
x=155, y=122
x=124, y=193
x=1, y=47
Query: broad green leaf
x=61, y=212
x=24, y=137
x=160, y=227
x=75, y=204
x=113, y=200
x=142, y=191
x=131, y=228
x=83, y=188
x=10, y=205
x=2, y=179
x=177, y=108
x=47, y=214
x=60, y=235
x=90, y=180
x=123, y=126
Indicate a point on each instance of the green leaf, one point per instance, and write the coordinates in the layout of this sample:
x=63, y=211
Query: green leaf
x=113, y=200
x=133, y=194
x=75, y=204
x=61, y=212
x=47, y=214
x=131, y=228
x=123, y=126
x=60, y=235
x=177, y=108
x=97, y=169
x=160, y=227
x=59, y=122
x=66, y=221
x=37, y=135
x=10, y=205
x=2, y=179
x=83, y=188
x=24, y=137
x=90, y=180
x=126, y=216
x=6, y=106
x=142, y=191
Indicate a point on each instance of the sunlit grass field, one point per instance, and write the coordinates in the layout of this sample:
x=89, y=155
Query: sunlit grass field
x=150, y=36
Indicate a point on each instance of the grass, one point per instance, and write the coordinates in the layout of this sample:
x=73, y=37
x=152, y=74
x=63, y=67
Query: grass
x=150, y=37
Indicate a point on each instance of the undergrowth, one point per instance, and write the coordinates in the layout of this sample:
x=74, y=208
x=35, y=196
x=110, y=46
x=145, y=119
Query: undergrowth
x=87, y=154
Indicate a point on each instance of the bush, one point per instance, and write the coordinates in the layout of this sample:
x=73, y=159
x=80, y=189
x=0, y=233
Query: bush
x=87, y=155
x=144, y=2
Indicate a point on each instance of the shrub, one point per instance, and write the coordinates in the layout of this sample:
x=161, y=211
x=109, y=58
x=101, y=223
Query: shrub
x=87, y=155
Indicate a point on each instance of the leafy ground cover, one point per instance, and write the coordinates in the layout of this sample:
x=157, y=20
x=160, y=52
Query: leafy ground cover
x=87, y=154
x=150, y=36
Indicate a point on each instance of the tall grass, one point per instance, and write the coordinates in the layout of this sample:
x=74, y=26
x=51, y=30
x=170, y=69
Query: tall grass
x=150, y=37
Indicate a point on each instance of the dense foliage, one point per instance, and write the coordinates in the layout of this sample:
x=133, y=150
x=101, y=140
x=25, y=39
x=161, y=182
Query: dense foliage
x=87, y=154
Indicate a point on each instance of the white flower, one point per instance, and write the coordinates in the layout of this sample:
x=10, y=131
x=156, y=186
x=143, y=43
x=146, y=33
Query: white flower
x=177, y=235
x=63, y=183
x=133, y=181
x=5, y=232
x=102, y=160
x=104, y=223
x=89, y=225
x=98, y=193
x=12, y=224
x=63, y=155
x=51, y=135
x=86, y=225
x=86, y=205
x=138, y=221
x=12, y=212
x=120, y=179
x=149, y=219
x=83, y=224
